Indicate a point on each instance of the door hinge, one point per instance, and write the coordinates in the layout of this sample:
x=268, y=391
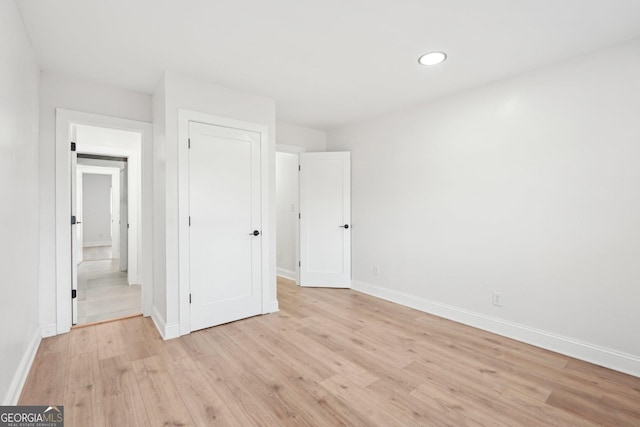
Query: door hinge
x=299, y=215
x=189, y=221
x=73, y=220
x=74, y=293
x=299, y=168
x=299, y=264
x=73, y=146
x=189, y=142
x=189, y=298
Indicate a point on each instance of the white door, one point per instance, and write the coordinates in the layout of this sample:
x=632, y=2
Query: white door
x=325, y=219
x=79, y=229
x=74, y=237
x=225, y=231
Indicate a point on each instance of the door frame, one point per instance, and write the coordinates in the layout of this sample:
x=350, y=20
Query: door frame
x=293, y=149
x=65, y=122
x=184, y=117
x=114, y=173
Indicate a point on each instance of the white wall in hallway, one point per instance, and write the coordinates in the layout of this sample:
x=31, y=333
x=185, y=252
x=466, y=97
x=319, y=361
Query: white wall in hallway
x=307, y=138
x=60, y=91
x=19, y=223
x=96, y=219
x=528, y=187
x=287, y=213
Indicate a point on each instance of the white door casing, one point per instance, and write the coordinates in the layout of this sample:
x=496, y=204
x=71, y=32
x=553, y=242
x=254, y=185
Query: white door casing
x=292, y=149
x=224, y=209
x=66, y=121
x=325, y=219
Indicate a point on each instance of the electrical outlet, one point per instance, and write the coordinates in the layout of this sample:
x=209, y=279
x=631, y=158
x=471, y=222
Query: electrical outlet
x=496, y=298
x=376, y=269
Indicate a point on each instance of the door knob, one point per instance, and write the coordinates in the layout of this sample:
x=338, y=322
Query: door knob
x=344, y=226
x=255, y=233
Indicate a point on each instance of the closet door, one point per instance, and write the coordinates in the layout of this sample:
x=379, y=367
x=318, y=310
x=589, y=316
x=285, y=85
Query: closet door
x=225, y=224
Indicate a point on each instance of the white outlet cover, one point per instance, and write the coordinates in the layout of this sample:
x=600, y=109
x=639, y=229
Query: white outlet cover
x=496, y=299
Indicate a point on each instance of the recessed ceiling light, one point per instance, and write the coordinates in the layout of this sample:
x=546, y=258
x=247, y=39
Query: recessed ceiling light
x=432, y=58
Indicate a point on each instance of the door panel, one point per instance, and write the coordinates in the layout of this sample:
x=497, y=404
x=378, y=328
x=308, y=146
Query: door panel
x=79, y=229
x=224, y=209
x=325, y=219
x=75, y=246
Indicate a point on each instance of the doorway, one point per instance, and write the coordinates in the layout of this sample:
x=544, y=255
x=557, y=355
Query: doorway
x=94, y=134
x=105, y=291
x=287, y=214
x=313, y=199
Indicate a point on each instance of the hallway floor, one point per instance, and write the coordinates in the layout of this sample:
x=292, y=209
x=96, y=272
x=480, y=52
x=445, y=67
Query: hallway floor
x=103, y=292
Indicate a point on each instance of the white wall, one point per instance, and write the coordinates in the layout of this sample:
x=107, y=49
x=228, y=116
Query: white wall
x=96, y=211
x=287, y=214
x=59, y=91
x=180, y=92
x=159, y=283
x=529, y=187
x=307, y=138
x=19, y=225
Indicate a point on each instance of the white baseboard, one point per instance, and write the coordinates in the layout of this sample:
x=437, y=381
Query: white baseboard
x=167, y=330
x=592, y=353
x=287, y=274
x=273, y=307
x=20, y=377
x=171, y=331
x=94, y=244
x=48, y=330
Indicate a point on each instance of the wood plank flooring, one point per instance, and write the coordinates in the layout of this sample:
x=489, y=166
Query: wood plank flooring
x=330, y=357
x=103, y=290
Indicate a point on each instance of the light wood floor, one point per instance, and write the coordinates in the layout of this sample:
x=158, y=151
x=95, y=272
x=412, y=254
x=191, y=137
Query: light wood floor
x=93, y=253
x=103, y=290
x=328, y=358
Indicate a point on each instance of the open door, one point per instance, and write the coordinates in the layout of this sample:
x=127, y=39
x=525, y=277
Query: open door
x=325, y=219
x=75, y=247
x=79, y=230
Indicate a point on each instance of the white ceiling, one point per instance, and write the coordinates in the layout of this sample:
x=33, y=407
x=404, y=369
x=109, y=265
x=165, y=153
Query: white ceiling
x=327, y=63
